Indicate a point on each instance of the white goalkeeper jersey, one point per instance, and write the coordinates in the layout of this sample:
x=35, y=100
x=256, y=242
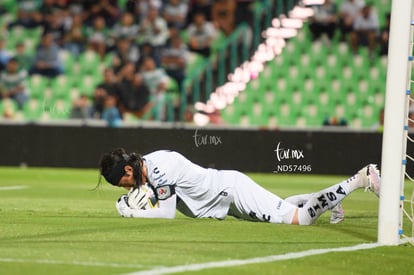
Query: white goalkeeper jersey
x=200, y=191
x=210, y=193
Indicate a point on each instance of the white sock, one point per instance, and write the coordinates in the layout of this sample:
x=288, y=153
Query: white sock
x=326, y=199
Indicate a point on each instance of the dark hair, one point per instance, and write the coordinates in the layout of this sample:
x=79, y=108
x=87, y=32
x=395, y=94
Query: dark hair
x=118, y=159
x=13, y=59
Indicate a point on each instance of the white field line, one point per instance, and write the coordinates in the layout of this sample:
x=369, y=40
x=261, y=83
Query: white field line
x=55, y=262
x=267, y=259
x=15, y=187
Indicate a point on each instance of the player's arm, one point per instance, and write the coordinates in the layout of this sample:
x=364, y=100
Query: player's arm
x=165, y=210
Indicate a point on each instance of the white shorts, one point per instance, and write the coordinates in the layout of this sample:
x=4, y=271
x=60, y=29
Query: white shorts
x=253, y=202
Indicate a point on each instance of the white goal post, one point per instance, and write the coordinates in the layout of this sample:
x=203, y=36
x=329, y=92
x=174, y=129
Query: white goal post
x=396, y=116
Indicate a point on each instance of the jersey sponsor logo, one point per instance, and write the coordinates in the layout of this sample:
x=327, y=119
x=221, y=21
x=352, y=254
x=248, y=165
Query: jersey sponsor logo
x=323, y=201
x=158, y=177
x=340, y=190
x=311, y=212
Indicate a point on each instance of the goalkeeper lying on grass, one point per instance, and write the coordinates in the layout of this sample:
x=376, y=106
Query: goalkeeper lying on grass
x=163, y=181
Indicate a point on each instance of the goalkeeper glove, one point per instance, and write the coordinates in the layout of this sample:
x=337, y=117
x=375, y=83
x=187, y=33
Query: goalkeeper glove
x=123, y=207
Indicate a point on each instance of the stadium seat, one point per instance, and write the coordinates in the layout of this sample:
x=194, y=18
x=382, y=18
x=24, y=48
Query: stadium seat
x=74, y=93
x=61, y=86
x=231, y=114
x=33, y=109
x=68, y=61
x=15, y=35
x=8, y=108
x=10, y=6
x=259, y=120
x=171, y=102
x=310, y=114
x=194, y=62
x=37, y=85
x=89, y=62
x=172, y=86
x=75, y=70
x=218, y=42
x=59, y=109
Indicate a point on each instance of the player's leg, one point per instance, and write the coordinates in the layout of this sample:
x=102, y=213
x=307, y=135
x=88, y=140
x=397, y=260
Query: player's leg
x=252, y=202
x=337, y=213
x=299, y=200
x=320, y=202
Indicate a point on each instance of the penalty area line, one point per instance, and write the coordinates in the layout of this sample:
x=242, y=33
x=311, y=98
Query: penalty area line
x=14, y=187
x=267, y=259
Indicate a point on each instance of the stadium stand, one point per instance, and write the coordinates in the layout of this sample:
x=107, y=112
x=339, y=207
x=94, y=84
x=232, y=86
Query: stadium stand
x=305, y=86
x=311, y=84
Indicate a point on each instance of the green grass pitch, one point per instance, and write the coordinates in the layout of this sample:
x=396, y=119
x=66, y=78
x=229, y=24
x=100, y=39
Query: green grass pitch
x=56, y=225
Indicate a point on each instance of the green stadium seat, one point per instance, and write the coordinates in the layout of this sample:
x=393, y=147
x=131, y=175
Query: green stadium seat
x=74, y=70
x=172, y=100
x=302, y=40
x=293, y=49
x=16, y=34
x=218, y=42
x=172, y=86
x=48, y=93
x=285, y=115
x=37, y=85
x=361, y=63
x=87, y=84
x=8, y=107
x=269, y=103
x=259, y=120
x=68, y=61
x=368, y=114
x=61, y=86
x=89, y=62
x=231, y=114
x=108, y=59
x=195, y=62
x=60, y=109
x=9, y=5
x=319, y=51
x=33, y=109
x=256, y=109
x=310, y=81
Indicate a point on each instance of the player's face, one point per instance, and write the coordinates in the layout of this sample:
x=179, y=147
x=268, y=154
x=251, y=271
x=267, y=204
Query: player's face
x=127, y=180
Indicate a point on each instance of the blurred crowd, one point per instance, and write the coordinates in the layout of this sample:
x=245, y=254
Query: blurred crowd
x=150, y=43
x=355, y=21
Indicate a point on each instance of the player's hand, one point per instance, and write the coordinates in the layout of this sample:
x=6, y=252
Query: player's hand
x=122, y=206
x=137, y=198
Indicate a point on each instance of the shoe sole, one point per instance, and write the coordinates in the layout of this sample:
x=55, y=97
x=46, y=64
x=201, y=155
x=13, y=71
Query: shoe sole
x=374, y=179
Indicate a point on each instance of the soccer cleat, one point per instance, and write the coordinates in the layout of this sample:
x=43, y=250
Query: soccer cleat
x=370, y=176
x=337, y=214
